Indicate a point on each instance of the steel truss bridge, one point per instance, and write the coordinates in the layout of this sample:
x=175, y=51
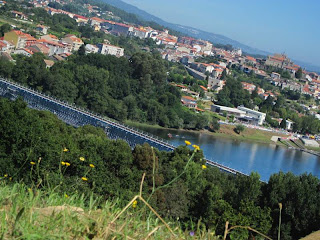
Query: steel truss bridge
x=77, y=117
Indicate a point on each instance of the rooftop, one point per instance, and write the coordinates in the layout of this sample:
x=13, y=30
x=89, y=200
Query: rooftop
x=228, y=109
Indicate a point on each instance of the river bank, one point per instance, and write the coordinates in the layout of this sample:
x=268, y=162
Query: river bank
x=225, y=131
x=250, y=151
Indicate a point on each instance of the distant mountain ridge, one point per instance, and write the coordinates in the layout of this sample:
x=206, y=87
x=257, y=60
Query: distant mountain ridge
x=197, y=33
x=193, y=32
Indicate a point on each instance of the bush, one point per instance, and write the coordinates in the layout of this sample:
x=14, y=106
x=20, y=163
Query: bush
x=239, y=128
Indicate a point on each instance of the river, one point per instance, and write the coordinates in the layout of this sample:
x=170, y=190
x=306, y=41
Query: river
x=246, y=157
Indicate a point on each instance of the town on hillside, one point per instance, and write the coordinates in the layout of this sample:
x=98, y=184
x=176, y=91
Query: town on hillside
x=209, y=66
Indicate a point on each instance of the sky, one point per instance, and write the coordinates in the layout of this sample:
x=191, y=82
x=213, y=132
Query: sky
x=289, y=26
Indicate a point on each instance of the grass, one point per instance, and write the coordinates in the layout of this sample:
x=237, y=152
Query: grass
x=137, y=124
x=34, y=214
x=227, y=131
x=248, y=134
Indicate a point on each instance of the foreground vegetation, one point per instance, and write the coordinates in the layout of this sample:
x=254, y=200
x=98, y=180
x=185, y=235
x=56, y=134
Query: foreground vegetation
x=45, y=154
x=29, y=213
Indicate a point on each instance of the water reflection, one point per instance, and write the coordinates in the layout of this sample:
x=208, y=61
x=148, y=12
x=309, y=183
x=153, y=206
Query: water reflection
x=247, y=157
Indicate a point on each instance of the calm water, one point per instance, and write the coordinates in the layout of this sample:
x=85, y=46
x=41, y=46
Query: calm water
x=246, y=156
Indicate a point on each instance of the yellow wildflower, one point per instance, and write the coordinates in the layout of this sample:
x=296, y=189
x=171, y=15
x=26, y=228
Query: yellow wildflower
x=91, y=165
x=10, y=178
x=63, y=163
x=196, y=147
x=66, y=195
x=6, y=175
x=65, y=149
x=67, y=164
x=82, y=159
x=280, y=206
x=84, y=179
x=39, y=159
x=204, y=167
x=187, y=143
x=32, y=163
x=134, y=204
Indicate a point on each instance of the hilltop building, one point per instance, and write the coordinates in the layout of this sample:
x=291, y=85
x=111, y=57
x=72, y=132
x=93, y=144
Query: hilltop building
x=279, y=61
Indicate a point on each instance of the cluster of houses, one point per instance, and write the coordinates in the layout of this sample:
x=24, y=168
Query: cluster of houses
x=260, y=91
x=18, y=42
x=177, y=49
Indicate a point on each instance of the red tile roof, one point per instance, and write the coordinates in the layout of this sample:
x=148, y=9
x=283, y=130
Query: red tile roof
x=81, y=17
x=97, y=19
x=51, y=43
x=204, y=88
x=181, y=86
x=251, y=58
x=188, y=98
x=200, y=110
x=27, y=50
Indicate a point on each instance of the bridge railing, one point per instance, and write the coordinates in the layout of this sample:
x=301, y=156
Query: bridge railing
x=86, y=111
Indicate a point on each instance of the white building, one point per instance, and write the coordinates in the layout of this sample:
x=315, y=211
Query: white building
x=108, y=49
x=73, y=41
x=140, y=33
x=55, y=47
x=228, y=111
x=256, y=116
x=289, y=125
x=23, y=51
x=6, y=46
x=275, y=75
x=189, y=102
x=91, y=48
x=215, y=84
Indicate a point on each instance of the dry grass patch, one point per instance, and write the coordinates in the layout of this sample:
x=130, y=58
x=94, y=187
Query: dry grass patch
x=312, y=236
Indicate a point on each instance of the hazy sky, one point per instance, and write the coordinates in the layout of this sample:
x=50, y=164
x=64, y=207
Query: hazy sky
x=290, y=26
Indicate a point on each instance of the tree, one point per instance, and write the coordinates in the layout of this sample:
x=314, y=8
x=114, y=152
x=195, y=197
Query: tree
x=224, y=74
x=299, y=73
x=239, y=128
x=82, y=50
x=214, y=125
x=233, y=95
x=4, y=29
x=285, y=74
x=283, y=124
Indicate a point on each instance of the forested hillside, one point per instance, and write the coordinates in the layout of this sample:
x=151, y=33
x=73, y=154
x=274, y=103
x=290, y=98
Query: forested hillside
x=134, y=89
x=43, y=152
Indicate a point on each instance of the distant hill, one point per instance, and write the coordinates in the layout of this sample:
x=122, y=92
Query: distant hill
x=197, y=33
x=193, y=32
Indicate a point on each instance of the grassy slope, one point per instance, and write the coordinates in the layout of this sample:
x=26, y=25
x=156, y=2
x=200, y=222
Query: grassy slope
x=226, y=131
x=34, y=214
x=248, y=134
